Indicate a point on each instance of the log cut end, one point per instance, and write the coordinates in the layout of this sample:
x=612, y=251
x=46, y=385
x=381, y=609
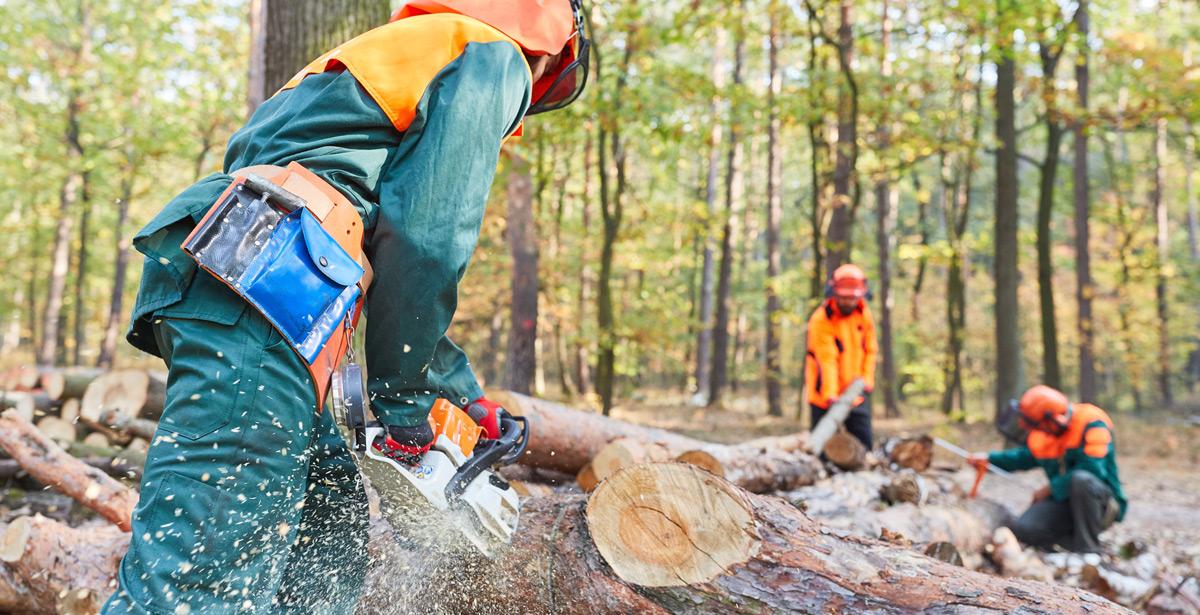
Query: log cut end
x=670, y=524
x=846, y=451
x=625, y=452
x=703, y=459
x=16, y=536
x=127, y=390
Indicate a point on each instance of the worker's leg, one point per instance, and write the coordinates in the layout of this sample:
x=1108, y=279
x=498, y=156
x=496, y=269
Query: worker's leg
x=858, y=423
x=329, y=558
x=815, y=416
x=1044, y=524
x=225, y=475
x=1091, y=502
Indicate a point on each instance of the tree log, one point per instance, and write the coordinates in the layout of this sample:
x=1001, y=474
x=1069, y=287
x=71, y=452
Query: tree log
x=626, y=452
x=20, y=402
x=912, y=453
x=112, y=466
x=57, y=430
x=846, y=451
x=70, y=410
x=60, y=569
x=756, y=469
x=834, y=417
x=141, y=428
x=50, y=465
x=566, y=439
x=135, y=392
x=68, y=383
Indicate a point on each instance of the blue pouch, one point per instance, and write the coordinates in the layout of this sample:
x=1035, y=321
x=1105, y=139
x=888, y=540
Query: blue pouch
x=284, y=263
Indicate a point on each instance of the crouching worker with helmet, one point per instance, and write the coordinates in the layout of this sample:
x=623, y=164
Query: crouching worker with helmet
x=360, y=185
x=1075, y=446
x=842, y=349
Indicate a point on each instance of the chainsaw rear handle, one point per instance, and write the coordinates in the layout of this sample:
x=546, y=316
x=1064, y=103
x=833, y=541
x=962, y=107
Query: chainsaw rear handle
x=513, y=440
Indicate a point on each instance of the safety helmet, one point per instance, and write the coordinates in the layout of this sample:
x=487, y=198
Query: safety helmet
x=848, y=281
x=1045, y=409
x=540, y=27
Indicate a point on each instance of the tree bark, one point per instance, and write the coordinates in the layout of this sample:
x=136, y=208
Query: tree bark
x=292, y=33
x=52, y=466
x=1163, y=255
x=817, y=147
x=704, y=332
x=1084, y=288
x=885, y=229
x=61, y=251
x=583, y=371
x=56, y=568
x=838, y=237
x=112, y=330
x=719, y=373
x=773, y=370
x=81, y=265
x=521, y=235
x=1051, y=375
x=1008, y=341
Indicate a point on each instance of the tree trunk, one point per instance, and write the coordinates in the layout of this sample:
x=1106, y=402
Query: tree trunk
x=292, y=33
x=56, y=568
x=773, y=370
x=1051, y=374
x=1126, y=235
x=885, y=231
x=719, y=373
x=116, y=317
x=81, y=265
x=1189, y=190
x=583, y=372
x=1084, y=289
x=923, y=259
x=61, y=252
x=521, y=236
x=704, y=332
x=817, y=146
x=1163, y=254
x=1008, y=340
x=838, y=238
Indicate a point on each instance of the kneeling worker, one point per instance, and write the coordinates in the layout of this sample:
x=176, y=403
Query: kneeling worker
x=1074, y=444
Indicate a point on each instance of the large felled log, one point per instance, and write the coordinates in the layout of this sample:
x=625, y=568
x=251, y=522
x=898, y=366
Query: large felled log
x=566, y=439
x=52, y=466
x=625, y=452
x=912, y=453
x=68, y=383
x=54, y=568
x=134, y=392
x=845, y=451
x=757, y=469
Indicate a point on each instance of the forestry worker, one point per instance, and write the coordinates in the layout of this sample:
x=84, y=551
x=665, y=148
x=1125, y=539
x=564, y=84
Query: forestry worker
x=842, y=349
x=251, y=501
x=1075, y=446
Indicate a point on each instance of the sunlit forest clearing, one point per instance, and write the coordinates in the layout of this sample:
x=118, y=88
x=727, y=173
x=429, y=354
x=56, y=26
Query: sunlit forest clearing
x=1018, y=179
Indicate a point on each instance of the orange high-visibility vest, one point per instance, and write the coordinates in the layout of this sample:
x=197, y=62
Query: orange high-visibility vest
x=840, y=349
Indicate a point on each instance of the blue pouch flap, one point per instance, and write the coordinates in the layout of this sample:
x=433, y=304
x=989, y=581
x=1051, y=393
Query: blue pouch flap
x=329, y=257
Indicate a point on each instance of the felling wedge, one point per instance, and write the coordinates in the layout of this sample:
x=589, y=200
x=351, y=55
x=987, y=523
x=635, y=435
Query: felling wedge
x=456, y=476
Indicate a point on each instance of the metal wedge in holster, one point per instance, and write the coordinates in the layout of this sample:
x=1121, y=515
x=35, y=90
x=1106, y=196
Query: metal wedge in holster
x=291, y=245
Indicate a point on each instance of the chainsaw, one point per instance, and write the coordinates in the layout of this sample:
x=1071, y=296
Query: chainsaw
x=456, y=476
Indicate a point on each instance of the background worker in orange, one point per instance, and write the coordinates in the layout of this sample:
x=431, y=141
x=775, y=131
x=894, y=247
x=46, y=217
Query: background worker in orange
x=1074, y=445
x=841, y=348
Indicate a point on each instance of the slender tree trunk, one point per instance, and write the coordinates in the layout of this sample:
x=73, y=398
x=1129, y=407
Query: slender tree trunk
x=817, y=147
x=773, y=369
x=1084, y=289
x=108, y=348
x=1189, y=190
x=1008, y=343
x=1125, y=256
x=885, y=229
x=295, y=32
x=705, y=329
x=583, y=375
x=1163, y=254
x=521, y=358
x=1050, y=370
x=838, y=238
x=81, y=265
x=719, y=374
x=61, y=252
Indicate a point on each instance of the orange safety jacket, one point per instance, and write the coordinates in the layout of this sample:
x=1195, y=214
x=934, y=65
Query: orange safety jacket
x=840, y=349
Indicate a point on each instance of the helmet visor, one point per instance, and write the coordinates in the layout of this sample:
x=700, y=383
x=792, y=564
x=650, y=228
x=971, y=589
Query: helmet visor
x=569, y=81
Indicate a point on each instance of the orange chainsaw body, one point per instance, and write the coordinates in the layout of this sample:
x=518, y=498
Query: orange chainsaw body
x=451, y=421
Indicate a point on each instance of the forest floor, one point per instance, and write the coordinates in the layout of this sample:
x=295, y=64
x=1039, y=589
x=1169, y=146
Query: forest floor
x=1159, y=458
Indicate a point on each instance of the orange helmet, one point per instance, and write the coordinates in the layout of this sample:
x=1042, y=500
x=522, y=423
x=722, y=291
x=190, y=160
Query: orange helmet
x=1045, y=409
x=848, y=281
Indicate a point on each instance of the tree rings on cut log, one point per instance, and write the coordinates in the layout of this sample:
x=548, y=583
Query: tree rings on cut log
x=912, y=453
x=16, y=536
x=671, y=524
x=703, y=459
x=846, y=451
x=134, y=392
x=57, y=429
x=68, y=383
x=586, y=479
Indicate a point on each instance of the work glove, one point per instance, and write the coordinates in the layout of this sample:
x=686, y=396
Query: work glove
x=406, y=444
x=485, y=413
x=979, y=461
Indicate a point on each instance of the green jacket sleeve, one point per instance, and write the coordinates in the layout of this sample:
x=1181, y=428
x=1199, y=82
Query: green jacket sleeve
x=1013, y=459
x=431, y=204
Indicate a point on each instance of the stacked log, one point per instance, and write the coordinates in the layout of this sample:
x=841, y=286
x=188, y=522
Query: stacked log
x=133, y=392
x=68, y=383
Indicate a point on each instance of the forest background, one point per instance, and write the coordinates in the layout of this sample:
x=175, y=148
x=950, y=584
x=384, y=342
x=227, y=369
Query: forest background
x=1016, y=177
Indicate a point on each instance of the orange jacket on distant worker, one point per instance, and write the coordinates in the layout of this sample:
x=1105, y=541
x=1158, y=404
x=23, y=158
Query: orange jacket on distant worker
x=840, y=349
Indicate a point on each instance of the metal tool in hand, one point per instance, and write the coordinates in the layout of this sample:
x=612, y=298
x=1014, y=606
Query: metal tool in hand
x=979, y=471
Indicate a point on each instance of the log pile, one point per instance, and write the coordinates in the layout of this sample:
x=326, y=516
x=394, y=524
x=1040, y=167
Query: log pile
x=617, y=518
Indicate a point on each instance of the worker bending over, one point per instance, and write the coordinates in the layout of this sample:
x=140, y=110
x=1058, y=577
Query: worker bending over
x=1074, y=444
x=251, y=501
x=842, y=349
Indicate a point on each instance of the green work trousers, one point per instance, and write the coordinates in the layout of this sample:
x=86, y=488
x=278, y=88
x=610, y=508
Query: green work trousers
x=251, y=501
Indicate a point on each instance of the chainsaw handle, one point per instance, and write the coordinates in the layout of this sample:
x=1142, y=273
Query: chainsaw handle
x=519, y=449
x=504, y=450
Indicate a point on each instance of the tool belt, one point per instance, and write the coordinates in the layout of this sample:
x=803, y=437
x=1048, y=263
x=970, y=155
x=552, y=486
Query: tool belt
x=291, y=245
